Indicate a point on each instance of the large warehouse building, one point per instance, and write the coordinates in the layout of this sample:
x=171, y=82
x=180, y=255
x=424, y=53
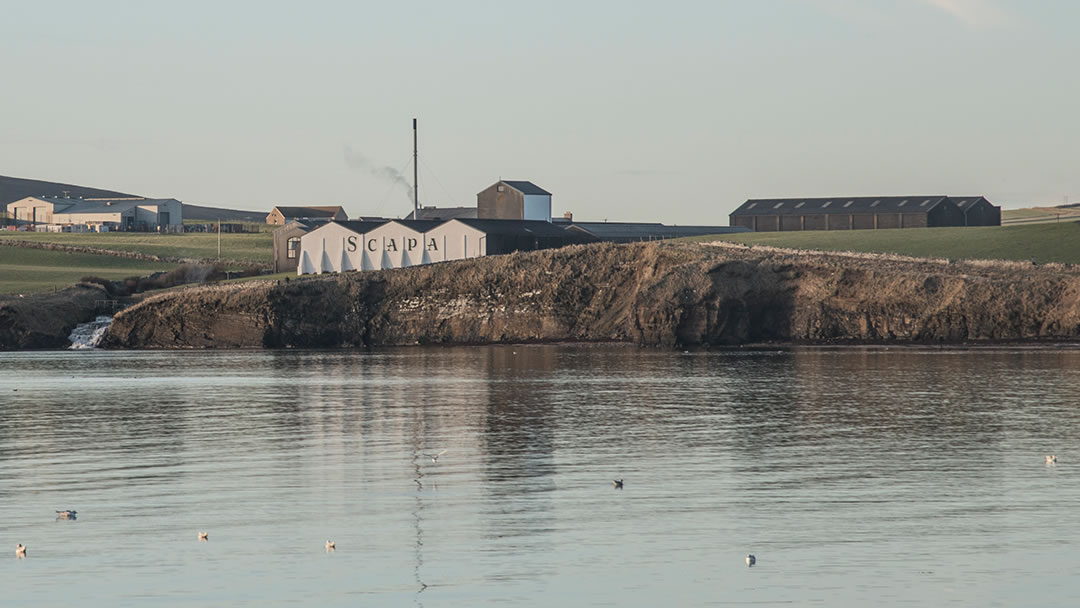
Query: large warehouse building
x=118, y=214
x=863, y=213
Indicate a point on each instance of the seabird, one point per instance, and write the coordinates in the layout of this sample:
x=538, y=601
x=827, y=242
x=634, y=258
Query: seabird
x=751, y=560
x=1051, y=459
x=331, y=545
x=69, y=514
x=204, y=536
x=617, y=483
x=20, y=550
x=435, y=457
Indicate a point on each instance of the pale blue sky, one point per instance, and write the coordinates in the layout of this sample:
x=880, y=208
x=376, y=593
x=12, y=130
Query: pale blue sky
x=671, y=111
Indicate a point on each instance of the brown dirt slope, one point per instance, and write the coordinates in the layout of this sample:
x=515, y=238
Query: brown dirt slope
x=655, y=294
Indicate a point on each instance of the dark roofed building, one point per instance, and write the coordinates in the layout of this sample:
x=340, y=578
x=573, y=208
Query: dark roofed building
x=282, y=215
x=627, y=232
x=847, y=213
x=16, y=188
x=978, y=211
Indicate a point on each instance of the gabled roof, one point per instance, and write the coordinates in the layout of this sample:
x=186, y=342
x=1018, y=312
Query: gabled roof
x=536, y=228
x=841, y=204
x=419, y=225
x=360, y=226
x=525, y=187
x=966, y=202
x=308, y=211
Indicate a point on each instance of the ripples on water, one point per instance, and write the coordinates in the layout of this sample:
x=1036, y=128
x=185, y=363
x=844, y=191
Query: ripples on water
x=857, y=476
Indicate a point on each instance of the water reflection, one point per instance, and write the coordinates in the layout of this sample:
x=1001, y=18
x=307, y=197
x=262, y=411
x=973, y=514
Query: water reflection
x=861, y=475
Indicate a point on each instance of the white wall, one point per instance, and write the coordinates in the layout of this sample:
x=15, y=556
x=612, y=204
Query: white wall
x=455, y=240
x=330, y=248
x=537, y=207
x=394, y=245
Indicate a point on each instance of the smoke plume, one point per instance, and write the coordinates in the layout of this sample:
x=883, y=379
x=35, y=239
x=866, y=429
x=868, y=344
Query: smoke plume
x=358, y=161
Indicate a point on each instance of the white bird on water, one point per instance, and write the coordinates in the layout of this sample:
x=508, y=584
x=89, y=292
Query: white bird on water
x=204, y=536
x=331, y=545
x=751, y=560
x=435, y=457
x=1051, y=459
x=69, y=514
x=20, y=550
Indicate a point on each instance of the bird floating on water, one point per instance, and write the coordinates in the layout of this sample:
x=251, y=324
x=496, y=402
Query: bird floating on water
x=20, y=550
x=204, y=536
x=617, y=483
x=331, y=545
x=69, y=514
x=751, y=560
x=1051, y=459
x=435, y=457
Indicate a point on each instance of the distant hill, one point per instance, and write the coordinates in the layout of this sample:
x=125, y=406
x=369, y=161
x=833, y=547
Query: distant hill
x=16, y=188
x=213, y=214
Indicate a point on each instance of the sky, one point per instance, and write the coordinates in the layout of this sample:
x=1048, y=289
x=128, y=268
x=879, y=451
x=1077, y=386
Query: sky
x=673, y=111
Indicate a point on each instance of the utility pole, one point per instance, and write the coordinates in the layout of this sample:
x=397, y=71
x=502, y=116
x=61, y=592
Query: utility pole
x=219, y=239
x=415, y=175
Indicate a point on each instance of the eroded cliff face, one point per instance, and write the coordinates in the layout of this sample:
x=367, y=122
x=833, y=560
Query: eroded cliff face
x=44, y=321
x=656, y=294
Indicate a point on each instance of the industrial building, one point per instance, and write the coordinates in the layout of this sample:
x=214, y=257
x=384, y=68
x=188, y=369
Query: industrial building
x=279, y=216
x=978, y=211
x=98, y=215
x=851, y=213
x=514, y=200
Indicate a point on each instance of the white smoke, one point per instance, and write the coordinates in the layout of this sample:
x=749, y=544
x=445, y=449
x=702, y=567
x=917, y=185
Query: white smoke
x=356, y=160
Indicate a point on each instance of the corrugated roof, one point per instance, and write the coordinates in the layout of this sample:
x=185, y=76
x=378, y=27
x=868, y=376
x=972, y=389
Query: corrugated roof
x=966, y=202
x=308, y=211
x=535, y=228
x=633, y=231
x=840, y=204
x=84, y=207
x=526, y=187
x=443, y=213
x=360, y=226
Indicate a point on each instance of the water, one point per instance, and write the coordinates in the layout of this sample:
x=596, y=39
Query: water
x=89, y=335
x=856, y=476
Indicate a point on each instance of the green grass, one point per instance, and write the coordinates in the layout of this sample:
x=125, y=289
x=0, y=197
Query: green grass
x=1033, y=215
x=1053, y=242
x=25, y=270
x=244, y=247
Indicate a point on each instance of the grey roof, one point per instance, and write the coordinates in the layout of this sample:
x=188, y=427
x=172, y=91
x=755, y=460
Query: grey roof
x=966, y=202
x=81, y=206
x=360, y=226
x=525, y=187
x=840, y=204
x=420, y=225
x=308, y=211
x=538, y=228
x=633, y=231
x=443, y=213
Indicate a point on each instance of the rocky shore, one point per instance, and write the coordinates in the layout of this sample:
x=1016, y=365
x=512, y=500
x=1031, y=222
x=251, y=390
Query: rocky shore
x=650, y=294
x=44, y=321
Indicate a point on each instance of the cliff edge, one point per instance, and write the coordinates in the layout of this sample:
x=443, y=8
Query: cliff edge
x=653, y=294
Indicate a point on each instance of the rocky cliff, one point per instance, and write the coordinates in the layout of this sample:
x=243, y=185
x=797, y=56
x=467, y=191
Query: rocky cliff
x=656, y=294
x=45, y=320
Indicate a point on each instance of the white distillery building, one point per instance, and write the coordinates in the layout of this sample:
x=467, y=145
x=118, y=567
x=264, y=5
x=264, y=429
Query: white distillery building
x=345, y=246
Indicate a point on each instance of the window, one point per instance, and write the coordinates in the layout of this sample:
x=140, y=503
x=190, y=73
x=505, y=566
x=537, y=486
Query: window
x=848, y=204
x=826, y=204
x=925, y=203
x=902, y=203
x=292, y=246
x=797, y=205
x=875, y=203
x=751, y=205
x=778, y=205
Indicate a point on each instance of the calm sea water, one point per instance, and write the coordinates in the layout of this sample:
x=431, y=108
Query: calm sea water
x=856, y=476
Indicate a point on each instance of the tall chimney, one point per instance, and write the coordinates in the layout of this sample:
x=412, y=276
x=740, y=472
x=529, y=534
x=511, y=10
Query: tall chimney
x=415, y=175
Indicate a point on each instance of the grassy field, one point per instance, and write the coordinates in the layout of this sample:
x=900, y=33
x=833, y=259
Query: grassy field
x=244, y=247
x=24, y=270
x=1032, y=215
x=1053, y=242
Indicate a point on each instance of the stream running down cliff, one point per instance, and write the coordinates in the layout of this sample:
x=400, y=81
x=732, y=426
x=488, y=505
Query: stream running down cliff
x=89, y=335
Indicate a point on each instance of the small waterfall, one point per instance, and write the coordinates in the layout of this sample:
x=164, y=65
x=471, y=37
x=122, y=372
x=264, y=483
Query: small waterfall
x=88, y=335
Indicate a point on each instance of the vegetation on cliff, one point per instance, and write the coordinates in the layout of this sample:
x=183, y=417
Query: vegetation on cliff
x=656, y=294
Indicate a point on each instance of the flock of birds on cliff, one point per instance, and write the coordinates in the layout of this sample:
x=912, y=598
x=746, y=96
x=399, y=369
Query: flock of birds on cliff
x=71, y=514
